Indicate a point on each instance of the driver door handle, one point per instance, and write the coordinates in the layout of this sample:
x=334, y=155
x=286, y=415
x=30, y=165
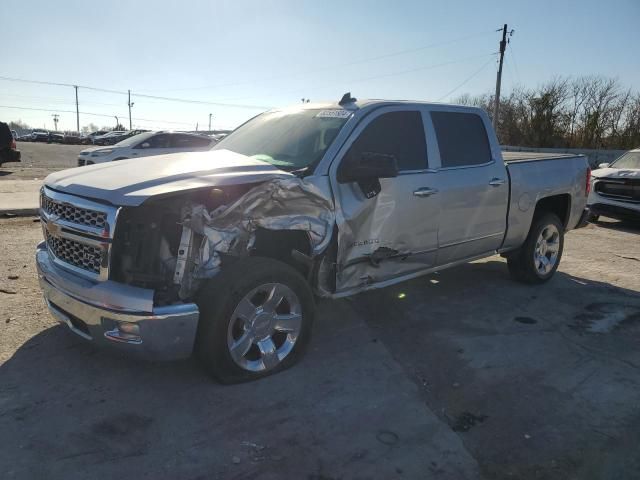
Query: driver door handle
x=425, y=192
x=496, y=182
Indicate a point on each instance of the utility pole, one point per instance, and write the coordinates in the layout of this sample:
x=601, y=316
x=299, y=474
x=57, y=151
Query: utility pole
x=496, y=101
x=210, y=115
x=77, y=111
x=130, y=105
x=55, y=120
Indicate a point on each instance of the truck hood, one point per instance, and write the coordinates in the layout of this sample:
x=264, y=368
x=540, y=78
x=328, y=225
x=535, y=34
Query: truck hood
x=131, y=182
x=616, y=173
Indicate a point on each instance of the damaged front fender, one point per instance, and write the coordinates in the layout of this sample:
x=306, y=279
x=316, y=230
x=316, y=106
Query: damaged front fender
x=280, y=204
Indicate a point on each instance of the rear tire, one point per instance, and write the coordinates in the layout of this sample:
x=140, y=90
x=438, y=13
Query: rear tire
x=255, y=320
x=538, y=258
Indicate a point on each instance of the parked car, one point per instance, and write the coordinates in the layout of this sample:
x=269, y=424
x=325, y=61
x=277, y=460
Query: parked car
x=112, y=140
x=145, y=145
x=8, y=149
x=221, y=252
x=108, y=137
x=40, y=136
x=88, y=138
x=72, y=138
x=56, y=137
x=25, y=137
x=616, y=188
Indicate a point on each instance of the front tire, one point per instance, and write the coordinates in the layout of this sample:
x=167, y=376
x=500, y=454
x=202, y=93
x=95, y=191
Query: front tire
x=538, y=258
x=255, y=320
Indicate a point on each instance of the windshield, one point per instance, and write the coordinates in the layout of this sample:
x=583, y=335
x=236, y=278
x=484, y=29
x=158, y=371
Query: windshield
x=290, y=140
x=628, y=160
x=134, y=140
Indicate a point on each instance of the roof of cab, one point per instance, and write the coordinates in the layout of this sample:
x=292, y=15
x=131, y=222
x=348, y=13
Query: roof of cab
x=361, y=104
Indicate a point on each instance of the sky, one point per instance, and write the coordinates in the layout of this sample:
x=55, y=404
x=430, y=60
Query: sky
x=246, y=56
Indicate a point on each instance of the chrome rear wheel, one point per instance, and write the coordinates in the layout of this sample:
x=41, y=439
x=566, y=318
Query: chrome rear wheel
x=545, y=254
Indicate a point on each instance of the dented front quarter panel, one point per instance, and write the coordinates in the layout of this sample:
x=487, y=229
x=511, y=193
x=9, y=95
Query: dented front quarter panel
x=280, y=204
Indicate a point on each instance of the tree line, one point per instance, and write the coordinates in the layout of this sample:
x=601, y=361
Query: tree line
x=584, y=112
x=21, y=126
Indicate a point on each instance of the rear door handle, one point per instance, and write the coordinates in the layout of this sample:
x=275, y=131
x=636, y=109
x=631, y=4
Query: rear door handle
x=496, y=182
x=425, y=192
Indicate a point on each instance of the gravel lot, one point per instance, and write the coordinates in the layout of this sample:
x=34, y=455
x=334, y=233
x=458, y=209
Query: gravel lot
x=41, y=159
x=465, y=375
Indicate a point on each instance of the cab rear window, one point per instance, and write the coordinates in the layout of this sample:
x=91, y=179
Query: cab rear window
x=462, y=139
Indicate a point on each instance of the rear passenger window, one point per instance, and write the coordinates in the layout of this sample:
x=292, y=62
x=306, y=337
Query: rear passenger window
x=395, y=133
x=158, y=141
x=462, y=139
x=189, y=141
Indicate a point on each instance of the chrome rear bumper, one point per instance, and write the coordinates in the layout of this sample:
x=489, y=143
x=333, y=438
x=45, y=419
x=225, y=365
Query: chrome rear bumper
x=106, y=313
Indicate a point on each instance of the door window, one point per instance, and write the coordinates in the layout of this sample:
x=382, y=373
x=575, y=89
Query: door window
x=158, y=141
x=462, y=139
x=189, y=141
x=400, y=134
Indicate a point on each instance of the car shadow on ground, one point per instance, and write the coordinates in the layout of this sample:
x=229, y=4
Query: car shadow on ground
x=539, y=382
x=629, y=226
x=69, y=410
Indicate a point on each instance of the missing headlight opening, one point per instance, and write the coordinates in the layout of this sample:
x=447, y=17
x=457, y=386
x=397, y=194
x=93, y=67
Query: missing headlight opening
x=173, y=244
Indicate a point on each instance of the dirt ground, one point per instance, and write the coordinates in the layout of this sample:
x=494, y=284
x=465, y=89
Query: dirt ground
x=461, y=374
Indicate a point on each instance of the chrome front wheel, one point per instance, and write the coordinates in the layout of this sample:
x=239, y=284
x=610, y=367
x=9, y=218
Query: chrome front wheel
x=264, y=327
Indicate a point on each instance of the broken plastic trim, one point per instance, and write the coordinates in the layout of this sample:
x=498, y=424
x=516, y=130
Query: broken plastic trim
x=279, y=204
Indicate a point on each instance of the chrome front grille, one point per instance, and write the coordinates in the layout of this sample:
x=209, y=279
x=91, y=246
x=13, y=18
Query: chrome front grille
x=78, y=232
x=622, y=189
x=75, y=253
x=72, y=213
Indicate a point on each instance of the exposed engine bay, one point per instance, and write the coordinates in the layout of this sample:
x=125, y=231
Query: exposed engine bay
x=174, y=243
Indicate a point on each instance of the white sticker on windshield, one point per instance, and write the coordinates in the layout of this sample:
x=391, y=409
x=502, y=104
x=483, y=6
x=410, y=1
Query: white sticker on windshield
x=334, y=114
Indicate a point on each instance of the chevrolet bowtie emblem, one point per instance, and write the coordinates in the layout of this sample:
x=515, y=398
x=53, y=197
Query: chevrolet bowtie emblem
x=53, y=228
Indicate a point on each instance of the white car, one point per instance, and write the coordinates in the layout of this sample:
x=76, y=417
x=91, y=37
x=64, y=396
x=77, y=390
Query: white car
x=145, y=145
x=615, y=188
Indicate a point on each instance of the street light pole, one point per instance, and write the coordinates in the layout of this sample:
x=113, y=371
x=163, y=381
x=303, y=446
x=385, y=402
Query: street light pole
x=117, y=121
x=210, y=121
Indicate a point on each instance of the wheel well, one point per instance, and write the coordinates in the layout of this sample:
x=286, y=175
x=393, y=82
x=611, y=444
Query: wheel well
x=278, y=244
x=557, y=204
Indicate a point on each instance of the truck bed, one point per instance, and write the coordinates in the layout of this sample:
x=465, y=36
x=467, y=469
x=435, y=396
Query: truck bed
x=513, y=157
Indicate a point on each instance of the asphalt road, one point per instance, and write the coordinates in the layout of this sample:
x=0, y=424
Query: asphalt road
x=463, y=374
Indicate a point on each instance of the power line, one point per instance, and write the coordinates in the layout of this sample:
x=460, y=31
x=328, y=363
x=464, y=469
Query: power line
x=340, y=65
x=57, y=100
x=512, y=56
x=93, y=114
x=118, y=92
x=384, y=75
x=466, y=80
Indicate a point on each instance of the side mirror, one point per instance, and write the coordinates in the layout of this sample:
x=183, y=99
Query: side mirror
x=604, y=165
x=369, y=166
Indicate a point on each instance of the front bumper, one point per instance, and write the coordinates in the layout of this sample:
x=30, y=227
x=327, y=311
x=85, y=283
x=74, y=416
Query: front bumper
x=94, y=310
x=8, y=155
x=615, y=210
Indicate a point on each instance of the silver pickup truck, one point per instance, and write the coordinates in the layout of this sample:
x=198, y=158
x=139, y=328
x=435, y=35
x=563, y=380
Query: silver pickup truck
x=221, y=253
